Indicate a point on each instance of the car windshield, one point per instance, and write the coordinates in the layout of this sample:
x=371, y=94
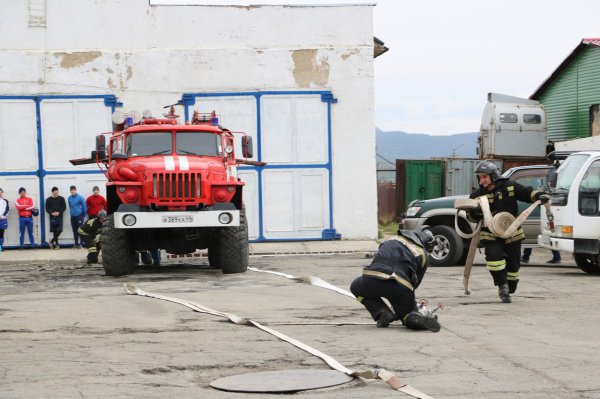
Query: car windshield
x=149, y=143
x=568, y=170
x=197, y=143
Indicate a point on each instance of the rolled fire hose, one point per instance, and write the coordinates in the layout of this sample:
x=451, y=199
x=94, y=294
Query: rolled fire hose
x=502, y=225
x=389, y=377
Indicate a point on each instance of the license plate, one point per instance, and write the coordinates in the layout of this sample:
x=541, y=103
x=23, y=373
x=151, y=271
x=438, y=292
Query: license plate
x=178, y=219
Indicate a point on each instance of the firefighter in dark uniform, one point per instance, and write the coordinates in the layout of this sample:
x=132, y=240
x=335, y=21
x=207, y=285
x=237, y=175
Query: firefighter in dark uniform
x=502, y=255
x=90, y=234
x=395, y=272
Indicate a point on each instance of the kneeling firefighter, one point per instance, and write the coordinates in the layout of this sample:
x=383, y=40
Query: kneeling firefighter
x=90, y=235
x=395, y=272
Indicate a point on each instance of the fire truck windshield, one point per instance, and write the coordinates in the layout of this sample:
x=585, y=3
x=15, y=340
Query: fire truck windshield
x=198, y=143
x=149, y=143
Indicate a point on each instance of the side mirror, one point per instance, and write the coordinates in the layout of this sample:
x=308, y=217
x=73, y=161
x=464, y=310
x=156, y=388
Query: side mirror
x=247, y=150
x=552, y=177
x=100, y=151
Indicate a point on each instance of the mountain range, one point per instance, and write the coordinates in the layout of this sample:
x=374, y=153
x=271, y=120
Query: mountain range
x=401, y=145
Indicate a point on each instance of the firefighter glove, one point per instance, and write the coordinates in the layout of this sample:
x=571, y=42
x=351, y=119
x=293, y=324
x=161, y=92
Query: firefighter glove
x=475, y=215
x=543, y=197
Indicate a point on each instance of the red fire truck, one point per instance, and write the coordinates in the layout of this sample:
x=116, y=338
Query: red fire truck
x=174, y=187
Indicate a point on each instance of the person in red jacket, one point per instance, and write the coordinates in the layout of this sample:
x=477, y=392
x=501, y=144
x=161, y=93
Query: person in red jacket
x=95, y=203
x=25, y=206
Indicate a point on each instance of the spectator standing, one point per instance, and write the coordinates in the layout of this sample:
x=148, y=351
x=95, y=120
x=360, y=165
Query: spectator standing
x=95, y=203
x=78, y=210
x=4, y=208
x=55, y=206
x=25, y=206
x=527, y=254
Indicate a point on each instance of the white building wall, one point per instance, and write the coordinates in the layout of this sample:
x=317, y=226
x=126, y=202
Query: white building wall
x=148, y=56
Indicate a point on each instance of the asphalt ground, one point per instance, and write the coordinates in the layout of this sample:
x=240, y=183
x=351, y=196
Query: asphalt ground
x=67, y=331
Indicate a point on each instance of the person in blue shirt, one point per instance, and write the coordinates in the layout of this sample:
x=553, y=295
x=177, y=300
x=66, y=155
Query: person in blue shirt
x=78, y=210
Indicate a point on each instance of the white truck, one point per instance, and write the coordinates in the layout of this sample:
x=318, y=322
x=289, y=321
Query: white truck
x=575, y=190
x=512, y=128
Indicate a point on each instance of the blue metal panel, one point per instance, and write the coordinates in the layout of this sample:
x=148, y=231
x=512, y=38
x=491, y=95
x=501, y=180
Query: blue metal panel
x=189, y=99
x=109, y=101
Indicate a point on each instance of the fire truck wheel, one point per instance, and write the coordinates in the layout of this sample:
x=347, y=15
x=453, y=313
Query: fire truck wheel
x=118, y=255
x=229, y=249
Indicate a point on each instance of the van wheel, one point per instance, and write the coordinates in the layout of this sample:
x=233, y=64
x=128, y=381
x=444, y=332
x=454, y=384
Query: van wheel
x=448, y=247
x=588, y=263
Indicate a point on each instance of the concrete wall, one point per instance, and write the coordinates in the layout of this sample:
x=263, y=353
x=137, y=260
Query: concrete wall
x=148, y=56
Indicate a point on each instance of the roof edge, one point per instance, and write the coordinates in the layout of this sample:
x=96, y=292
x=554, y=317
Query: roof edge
x=584, y=42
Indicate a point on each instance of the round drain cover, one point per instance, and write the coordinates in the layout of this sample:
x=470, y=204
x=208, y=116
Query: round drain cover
x=281, y=381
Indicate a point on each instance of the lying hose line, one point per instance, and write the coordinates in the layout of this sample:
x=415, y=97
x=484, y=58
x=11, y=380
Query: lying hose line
x=389, y=377
x=312, y=280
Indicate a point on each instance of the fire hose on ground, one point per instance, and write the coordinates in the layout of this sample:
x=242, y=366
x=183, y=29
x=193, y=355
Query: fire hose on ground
x=389, y=377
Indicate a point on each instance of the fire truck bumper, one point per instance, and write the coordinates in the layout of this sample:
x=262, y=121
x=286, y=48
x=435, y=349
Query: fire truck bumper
x=157, y=220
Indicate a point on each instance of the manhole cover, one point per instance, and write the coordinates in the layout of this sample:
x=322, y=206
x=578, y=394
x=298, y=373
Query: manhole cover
x=281, y=381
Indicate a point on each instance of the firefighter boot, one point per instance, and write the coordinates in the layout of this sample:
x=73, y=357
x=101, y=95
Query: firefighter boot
x=385, y=318
x=146, y=258
x=418, y=321
x=379, y=311
x=503, y=293
x=512, y=286
x=92, y=257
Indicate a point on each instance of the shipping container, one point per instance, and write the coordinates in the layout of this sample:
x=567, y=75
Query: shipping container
x=417, y=179
x=459, y=176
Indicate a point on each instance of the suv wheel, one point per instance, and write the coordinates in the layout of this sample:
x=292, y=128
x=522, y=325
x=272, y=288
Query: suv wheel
x=448, y=247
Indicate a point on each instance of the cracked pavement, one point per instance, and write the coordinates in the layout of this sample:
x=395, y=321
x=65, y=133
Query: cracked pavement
x=68, y=331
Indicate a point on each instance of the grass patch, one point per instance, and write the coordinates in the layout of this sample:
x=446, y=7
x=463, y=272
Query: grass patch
x=387, y=230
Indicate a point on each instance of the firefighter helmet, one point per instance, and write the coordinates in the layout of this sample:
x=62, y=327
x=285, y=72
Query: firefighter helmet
x=488, y=167
x=422, y=236
x=102, y=214
x=426, y=236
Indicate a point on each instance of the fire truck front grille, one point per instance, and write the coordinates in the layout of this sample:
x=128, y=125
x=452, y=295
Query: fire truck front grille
x=176, y=187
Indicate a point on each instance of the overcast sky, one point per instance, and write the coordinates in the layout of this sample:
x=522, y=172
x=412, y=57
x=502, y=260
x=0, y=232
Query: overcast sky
x=446, y=55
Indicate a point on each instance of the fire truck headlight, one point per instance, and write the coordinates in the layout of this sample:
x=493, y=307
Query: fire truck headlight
x=129, y=220
x=225, y=218
x=220, y=194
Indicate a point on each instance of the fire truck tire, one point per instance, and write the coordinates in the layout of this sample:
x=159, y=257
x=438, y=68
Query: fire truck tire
x=229, y=249
x=118, y=255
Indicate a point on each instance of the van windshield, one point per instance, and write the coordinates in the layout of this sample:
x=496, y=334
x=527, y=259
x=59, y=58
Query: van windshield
x=568, y=170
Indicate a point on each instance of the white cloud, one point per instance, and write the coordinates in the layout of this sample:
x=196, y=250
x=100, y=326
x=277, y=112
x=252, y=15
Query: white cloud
x=445, y=56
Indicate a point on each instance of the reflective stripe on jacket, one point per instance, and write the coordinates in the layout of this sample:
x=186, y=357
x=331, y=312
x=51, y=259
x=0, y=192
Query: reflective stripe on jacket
x=399, y=259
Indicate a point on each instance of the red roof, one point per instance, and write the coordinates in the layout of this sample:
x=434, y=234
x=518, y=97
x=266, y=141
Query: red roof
x=584, y=42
